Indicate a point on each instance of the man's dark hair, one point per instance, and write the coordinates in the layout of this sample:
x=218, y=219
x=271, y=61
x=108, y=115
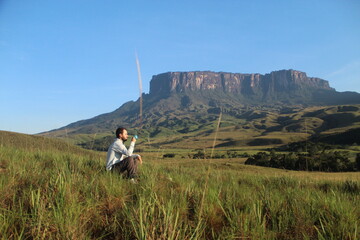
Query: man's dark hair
x=120, y=130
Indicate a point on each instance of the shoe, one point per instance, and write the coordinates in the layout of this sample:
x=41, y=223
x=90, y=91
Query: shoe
x=133, y=181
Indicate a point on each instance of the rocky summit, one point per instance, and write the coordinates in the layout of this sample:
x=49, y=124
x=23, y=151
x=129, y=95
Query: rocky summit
x=236, y=83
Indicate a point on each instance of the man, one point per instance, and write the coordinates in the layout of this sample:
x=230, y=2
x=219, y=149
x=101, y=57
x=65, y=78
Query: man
x=121, y=159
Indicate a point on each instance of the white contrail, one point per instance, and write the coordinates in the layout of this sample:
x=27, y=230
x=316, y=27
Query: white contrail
x=350, y=67
x=140, y=85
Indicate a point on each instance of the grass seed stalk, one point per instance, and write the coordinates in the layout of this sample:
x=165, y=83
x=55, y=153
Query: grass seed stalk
x=140, y=86
x=216, y=132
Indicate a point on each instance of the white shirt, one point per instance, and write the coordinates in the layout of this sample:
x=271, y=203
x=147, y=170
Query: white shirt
x=117, y=152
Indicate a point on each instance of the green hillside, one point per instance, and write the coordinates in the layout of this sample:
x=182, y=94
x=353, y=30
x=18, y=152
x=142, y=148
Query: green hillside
x=33, y=143
x=194, y=126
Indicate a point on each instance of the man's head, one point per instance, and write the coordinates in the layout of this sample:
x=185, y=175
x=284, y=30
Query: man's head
x=121, y=133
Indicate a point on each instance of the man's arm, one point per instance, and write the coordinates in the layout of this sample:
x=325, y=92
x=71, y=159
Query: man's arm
x=136, y=156
x=120, y=147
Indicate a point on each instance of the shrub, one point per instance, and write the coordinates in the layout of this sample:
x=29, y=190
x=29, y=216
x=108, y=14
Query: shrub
x=357, y=161
x=169, y=155
x=199, y=155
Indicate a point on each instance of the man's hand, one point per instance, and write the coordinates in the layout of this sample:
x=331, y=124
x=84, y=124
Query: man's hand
x=133, y=139
x=140, y=159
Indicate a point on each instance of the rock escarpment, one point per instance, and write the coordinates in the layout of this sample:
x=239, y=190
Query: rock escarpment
x=236, y=83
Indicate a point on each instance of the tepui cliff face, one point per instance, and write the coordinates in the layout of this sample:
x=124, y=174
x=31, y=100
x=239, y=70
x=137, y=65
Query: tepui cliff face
x=236, y=83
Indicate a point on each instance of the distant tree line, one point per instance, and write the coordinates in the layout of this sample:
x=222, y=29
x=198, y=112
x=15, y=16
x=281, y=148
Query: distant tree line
x=334, y=161
x=200, y=154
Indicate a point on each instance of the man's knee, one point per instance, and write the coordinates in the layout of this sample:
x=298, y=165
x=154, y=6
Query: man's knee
x=134, y=161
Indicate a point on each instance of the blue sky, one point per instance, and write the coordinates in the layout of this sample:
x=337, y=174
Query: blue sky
x=64, y=61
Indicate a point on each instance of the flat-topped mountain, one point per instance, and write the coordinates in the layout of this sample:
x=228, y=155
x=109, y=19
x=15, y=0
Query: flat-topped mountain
x=288, y=87
x=182, y=104
x=237, y=83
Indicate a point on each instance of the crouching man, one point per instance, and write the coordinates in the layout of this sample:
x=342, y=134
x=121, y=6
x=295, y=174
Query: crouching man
x=121, y=159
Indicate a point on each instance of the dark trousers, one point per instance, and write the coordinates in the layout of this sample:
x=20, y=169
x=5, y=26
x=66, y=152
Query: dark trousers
x=128, y=164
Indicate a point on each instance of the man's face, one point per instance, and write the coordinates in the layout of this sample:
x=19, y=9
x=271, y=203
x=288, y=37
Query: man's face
x=124, y=135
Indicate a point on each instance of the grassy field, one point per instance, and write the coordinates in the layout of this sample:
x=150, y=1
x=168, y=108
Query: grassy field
x=53, y=190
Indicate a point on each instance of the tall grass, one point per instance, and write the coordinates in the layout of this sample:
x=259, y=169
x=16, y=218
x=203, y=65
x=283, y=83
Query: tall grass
x=50, y=194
